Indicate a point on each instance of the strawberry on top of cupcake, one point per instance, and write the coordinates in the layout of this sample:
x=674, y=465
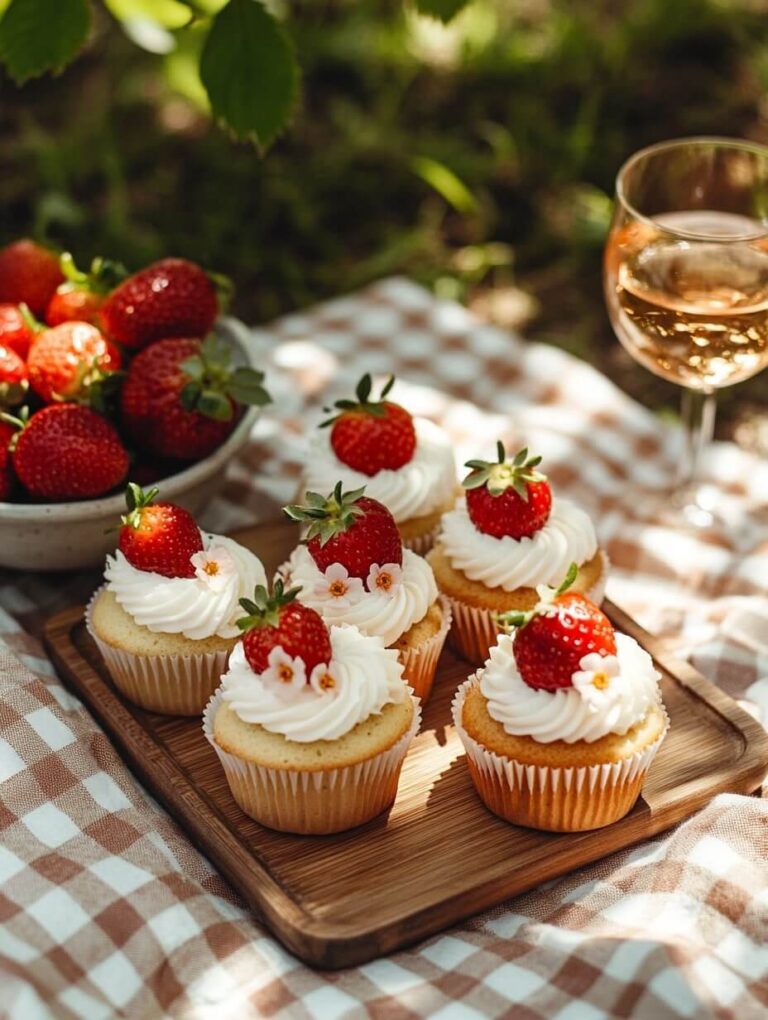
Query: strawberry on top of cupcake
x=565, y=674
x=508, y=535
x=563, y=691
x=294, y=676
x=407, y=463
x=170, y=577
x=352, y=568
x=165, y=620
x=511, y=532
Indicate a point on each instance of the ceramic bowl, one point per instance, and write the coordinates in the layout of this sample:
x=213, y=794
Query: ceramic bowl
x=73, y=536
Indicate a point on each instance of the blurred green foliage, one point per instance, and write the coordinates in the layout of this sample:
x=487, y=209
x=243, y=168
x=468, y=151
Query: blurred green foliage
x=477, y=157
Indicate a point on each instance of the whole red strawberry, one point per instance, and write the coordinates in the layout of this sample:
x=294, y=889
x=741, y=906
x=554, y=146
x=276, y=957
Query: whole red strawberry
x=17, y=328
x=172, y=297
x=158, y=537
x=348, y=528
x=554, y=637
x=82, y=294
x=180, y=397
x=13, y=378
x=280, y=621
x=30, y=274
x=7, y=480
x=65, y=360
x=371, y=435
x=69, y=452
x=508, y=498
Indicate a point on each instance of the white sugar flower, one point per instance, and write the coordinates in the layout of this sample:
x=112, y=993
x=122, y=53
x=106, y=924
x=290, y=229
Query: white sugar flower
x=598, y=680
x=385, y=579
x=284, y=674
x=338, y=588
x=214, y=567
x=323, y=681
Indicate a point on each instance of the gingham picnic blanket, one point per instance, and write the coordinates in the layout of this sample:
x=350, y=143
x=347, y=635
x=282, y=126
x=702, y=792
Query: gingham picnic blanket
x=107, y=909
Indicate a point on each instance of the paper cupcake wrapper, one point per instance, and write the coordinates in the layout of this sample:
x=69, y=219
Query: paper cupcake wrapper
x=168, y=684
x=551, y=798
x=420, y=663
x=421, y=544
x=475, y=630
x=318, y=802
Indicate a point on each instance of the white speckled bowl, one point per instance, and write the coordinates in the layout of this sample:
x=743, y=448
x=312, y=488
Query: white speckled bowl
x=71, y=536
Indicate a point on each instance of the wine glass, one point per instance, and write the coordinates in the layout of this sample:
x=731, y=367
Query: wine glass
x=686, y=282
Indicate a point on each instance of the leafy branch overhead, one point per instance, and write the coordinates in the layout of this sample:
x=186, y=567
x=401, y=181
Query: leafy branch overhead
x=248, y=67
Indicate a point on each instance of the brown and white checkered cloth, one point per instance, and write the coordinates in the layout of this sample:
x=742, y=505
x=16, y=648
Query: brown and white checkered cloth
x=107, y=910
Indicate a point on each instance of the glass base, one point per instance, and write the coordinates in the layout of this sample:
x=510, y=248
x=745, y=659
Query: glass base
x=697, y=506
x=691, y=508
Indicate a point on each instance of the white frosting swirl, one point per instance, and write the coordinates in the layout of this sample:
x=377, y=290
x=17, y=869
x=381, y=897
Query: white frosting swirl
x=191, y=606
x=368, y=676
x=509, y=563
x=564, y=714
x=387, y=615
x=419, y=487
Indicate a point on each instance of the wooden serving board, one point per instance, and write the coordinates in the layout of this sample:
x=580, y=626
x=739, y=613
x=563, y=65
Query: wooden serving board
x=438, y=856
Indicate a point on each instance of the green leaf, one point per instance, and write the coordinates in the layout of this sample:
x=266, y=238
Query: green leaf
x=363, y=390
x=245, y=387
x=445, y=183
x=249, y=71
x=42, y=35
x=442, y=10
x=190, y=395
x=214, y=405
x=193, y=367
x=568, y=580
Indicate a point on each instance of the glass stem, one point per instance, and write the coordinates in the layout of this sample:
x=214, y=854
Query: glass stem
x=698, y=415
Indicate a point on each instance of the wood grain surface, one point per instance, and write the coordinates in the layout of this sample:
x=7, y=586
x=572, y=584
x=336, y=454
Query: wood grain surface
x=438, y=855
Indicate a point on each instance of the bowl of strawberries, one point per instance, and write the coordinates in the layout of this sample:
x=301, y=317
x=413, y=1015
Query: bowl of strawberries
x=105, y=375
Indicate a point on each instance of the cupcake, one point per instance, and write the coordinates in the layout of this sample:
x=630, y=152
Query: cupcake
x=506, y=537
x=311, y=724
x=352, y=568
x=406, y=463
x=165, y=620
x=562, y=723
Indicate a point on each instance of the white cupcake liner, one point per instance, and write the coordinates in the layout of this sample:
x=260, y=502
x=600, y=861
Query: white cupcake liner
x=313, y=802
x=421, y=544
x=420, y=663
x=475, y=630
x=553, y=798
x=167, y=684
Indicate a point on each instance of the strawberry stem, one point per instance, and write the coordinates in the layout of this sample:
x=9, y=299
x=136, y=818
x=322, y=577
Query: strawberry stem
x=213, y=384
x=327, y=515
x=517, y=619
x=504, y=474
x=264, y=609
x=30, y=321
x=363, y=404
x=103, y=276
x=136, y=500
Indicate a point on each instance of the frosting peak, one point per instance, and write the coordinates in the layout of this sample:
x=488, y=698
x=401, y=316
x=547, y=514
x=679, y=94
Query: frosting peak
x=198, y=607
x=362, y=677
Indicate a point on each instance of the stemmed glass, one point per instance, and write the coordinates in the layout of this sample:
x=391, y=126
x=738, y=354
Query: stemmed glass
x=686, y=281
